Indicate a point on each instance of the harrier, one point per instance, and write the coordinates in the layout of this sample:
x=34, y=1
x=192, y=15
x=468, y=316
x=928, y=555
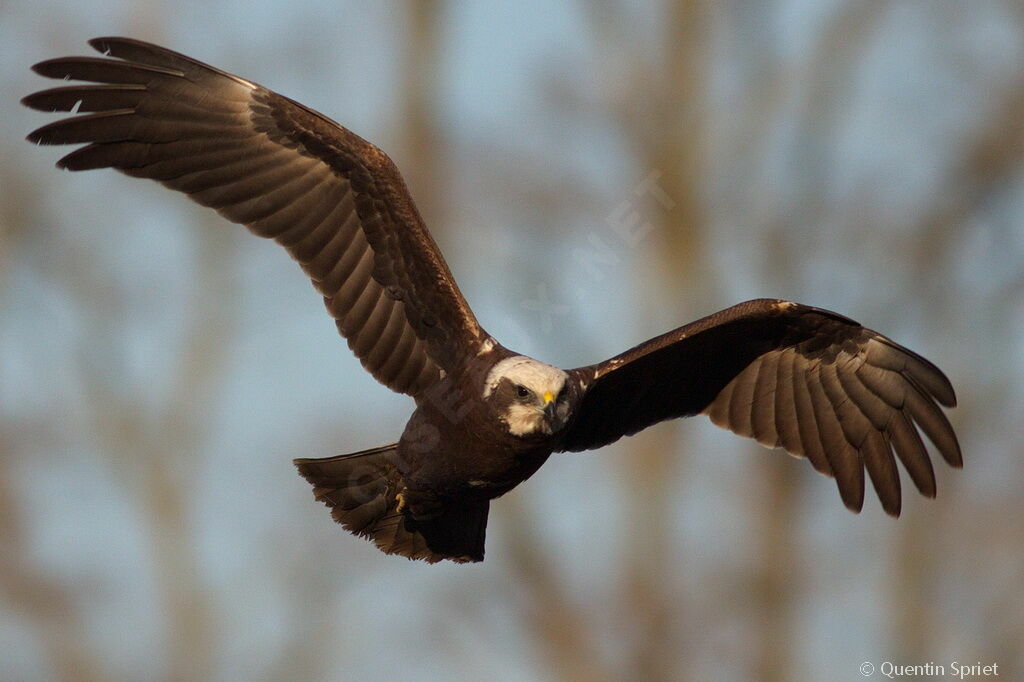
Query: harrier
x=810, y=381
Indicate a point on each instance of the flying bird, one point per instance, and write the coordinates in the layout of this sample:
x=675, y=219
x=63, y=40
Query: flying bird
x=791, y=376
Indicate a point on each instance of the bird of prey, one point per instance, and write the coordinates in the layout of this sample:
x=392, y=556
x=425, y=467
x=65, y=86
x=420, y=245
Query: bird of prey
x=810, y=381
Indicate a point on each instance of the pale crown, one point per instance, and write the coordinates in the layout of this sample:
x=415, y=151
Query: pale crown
x=537, y=376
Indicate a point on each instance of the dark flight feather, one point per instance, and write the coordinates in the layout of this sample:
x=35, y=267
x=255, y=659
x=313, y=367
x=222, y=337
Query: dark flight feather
x=808, y=380
x=333, y=200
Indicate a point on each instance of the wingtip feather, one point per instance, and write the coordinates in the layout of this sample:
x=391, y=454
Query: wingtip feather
x=46, y=67
x=101, y=43
x=892, y=506
x=107, y=45
x=851, y=500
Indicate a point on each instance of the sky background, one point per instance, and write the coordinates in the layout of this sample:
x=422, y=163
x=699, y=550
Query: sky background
x=160, y=368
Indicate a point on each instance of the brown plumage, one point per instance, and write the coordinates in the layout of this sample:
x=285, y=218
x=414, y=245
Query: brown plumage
x=804, y=379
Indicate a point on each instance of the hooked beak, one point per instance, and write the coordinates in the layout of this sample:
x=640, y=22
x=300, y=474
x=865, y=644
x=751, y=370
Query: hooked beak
x=549, y=407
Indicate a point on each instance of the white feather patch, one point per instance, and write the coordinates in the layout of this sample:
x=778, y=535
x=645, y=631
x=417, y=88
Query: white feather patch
x=523, y=420
x=486, y=347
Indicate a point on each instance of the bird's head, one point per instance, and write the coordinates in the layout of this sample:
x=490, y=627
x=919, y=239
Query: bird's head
x=529, y=397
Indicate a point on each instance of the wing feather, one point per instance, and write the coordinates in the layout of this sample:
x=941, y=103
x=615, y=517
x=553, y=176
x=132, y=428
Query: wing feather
x=912, y=453
x=813, y=382
x=741, y=402
x=935, y=425
x=866, y=442
x=806, y=423
x=844, y=461
x=786, y=422
x=882, y=469
x=899, y=432
x=762, y=404
x=333, y=200
x=88, y=97
x=719, y=411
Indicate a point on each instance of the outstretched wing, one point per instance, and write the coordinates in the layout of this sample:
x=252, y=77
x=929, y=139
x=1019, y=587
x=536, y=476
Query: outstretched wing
x=804, y=379
x=332, y=199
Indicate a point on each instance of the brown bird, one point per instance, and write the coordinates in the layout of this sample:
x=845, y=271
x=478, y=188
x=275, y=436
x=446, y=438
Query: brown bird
x=804, y=379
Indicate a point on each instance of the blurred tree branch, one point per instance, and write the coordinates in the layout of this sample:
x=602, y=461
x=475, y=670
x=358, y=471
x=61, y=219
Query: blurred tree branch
x=555, y=623
x=153, y=445
x=40, y=599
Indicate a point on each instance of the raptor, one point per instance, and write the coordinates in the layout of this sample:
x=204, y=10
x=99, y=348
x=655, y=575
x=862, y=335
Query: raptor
x=810, y=381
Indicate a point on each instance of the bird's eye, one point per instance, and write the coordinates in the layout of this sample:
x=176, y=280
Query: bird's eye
x=522, y=391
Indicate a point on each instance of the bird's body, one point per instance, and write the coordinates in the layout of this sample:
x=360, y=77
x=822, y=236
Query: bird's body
x=451, y=446
x=805, y=379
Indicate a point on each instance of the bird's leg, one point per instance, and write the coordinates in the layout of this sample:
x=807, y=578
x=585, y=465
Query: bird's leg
x=419, y=505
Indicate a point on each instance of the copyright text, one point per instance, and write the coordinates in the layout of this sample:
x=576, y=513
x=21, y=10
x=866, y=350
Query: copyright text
x=953, y=669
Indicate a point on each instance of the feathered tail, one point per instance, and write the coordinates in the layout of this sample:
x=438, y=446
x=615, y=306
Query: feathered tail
x=362, y=490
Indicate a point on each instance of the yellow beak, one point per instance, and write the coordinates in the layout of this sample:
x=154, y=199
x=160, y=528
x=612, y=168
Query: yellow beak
x=548, y=398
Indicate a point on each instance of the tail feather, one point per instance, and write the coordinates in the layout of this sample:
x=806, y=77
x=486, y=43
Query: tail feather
x=362, y=490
